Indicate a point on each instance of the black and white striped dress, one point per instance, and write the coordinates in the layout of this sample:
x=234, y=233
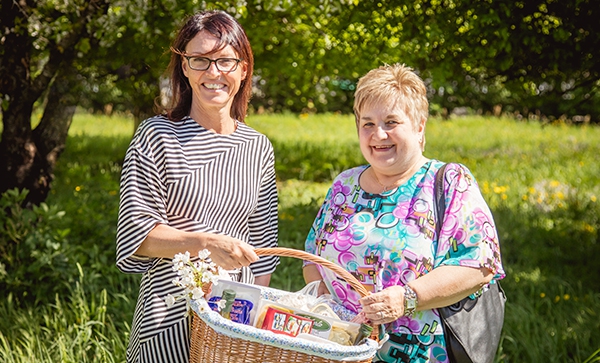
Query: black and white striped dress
x=185, y=176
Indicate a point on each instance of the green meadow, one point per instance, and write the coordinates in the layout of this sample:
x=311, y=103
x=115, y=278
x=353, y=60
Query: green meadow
x=541, y=182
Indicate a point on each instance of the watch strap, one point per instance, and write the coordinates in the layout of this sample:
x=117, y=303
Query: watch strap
x=410, y=301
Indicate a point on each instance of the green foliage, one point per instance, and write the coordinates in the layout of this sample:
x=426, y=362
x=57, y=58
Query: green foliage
x=304, y=151
x=548, y=319
x=526, y=56
x=35, y=256
x=74, y=327
x=535, y=57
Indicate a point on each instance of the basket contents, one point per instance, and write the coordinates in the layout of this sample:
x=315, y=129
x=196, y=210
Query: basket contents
x=290, y=314
x=286, y=319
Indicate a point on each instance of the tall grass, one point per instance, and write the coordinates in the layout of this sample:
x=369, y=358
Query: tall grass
x=540, y=182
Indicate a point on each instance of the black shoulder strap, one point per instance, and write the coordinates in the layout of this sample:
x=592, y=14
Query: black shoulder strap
x=439, y=199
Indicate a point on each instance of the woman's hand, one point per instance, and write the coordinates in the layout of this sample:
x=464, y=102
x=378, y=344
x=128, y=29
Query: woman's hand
x=384, y=306
x=228, y=252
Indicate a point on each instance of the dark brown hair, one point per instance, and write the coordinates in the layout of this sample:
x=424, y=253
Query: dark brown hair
x=229, y=32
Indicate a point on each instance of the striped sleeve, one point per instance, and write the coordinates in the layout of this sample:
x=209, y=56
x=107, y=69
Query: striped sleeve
x=262, y=223
x=141, y=207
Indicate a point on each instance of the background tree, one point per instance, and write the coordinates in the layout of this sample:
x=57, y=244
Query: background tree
x=40, y=41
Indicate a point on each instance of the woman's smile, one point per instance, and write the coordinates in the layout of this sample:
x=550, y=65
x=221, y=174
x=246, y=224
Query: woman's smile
x=214, y=86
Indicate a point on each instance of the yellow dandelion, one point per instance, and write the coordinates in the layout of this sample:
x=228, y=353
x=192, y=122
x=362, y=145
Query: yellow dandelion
x=486, y=187
x=566, y=296
x=554, y=183
x=542, y=295
x=286, y=216
x=556, y=298
x=504, y=197
x=560, y=195
x=524, y=197
x=497, y=189
x=77, y=188
x=593, y=198
x=531, y=190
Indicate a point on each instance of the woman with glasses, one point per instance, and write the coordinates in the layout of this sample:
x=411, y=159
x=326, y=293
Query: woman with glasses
x=195, y=177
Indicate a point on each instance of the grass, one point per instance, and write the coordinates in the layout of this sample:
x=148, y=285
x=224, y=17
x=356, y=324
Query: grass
x=541, y=183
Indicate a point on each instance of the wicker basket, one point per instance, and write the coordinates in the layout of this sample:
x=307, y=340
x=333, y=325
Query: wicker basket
x=222, y=346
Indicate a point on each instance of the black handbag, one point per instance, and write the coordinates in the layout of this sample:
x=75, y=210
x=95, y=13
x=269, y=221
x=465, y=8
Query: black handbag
x=472, y=327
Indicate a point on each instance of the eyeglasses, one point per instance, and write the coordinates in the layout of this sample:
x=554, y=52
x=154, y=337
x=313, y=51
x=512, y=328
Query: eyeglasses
x=203, y=63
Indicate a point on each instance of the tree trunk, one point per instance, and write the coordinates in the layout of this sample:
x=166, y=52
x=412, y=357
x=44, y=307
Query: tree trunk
x=28, y=158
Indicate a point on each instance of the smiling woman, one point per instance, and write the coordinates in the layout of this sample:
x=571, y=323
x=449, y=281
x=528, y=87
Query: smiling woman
x=377, y=221
x=196, y=177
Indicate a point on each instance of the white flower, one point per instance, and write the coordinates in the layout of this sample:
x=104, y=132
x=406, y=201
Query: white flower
x=183, y=258
x=170, y=300
x=223, y=275
x=192, y=276
x=180, y=260
x=203, y=306
x=197, y=293
x=203, y=254
x=221, y=304
x=207, y=277
x=187, y=280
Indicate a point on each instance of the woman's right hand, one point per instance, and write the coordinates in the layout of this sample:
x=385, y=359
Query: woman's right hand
x=228, y=252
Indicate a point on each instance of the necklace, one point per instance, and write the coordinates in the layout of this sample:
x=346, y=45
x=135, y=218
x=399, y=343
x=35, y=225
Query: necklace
x=385, y=187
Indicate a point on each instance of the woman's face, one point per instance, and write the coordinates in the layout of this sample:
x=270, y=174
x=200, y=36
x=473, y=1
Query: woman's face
x=212, y=88
x=387, y=138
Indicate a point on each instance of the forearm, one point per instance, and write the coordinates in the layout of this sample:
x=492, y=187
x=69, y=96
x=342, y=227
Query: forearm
x=441, y=287
x=227, y=252
x=165, y=241
x=447, y=285
x=311, y=273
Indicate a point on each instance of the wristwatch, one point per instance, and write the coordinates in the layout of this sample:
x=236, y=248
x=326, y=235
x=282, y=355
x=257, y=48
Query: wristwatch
x=410, y=301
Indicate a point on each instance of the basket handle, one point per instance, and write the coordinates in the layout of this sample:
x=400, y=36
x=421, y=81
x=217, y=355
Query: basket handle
x=290, y=252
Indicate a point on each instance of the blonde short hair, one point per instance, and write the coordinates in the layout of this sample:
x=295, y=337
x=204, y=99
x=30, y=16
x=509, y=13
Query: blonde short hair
x=393, y=84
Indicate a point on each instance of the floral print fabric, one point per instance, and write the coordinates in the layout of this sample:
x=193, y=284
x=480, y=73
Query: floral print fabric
x=389, y=239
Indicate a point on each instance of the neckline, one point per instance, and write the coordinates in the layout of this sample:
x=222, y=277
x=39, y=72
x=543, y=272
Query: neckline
x=393, y=190
x=212, y=132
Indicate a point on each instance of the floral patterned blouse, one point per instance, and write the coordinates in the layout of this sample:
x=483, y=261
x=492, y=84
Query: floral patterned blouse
x=389, y=239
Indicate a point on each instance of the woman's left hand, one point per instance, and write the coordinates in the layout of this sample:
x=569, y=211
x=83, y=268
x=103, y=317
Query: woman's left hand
x=384, y=306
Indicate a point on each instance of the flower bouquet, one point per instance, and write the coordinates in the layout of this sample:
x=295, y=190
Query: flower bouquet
x=196, y=278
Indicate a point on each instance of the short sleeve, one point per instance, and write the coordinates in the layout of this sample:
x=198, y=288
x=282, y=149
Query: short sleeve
x=468, y=236
x=141, y=206
x=310, y=245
